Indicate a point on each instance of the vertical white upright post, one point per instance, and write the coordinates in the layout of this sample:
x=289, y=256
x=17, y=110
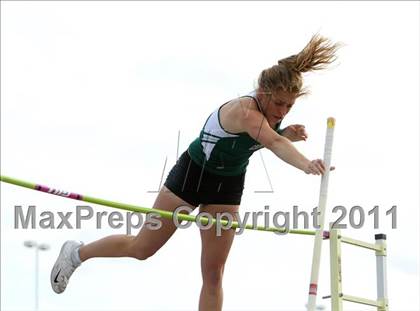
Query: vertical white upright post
x=381, y=275
x=313, y=286
x=335, y=270
x=36, y=278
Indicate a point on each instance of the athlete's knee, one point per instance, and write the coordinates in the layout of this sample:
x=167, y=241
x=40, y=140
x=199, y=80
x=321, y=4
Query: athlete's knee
x=142, y=252
x=213, y=276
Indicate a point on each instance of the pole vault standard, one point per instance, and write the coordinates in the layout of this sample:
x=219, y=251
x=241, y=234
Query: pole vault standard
x=316, y=258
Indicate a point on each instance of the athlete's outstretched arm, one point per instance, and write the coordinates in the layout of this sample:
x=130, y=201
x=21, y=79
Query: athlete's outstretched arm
x=256, y=125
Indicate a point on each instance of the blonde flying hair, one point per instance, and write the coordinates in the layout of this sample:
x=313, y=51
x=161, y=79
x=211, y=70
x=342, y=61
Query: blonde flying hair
x=287, y=74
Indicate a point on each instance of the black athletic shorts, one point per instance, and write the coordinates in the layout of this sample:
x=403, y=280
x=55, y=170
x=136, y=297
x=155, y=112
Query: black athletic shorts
x=195, y=185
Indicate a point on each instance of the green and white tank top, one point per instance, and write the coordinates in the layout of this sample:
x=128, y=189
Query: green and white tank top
x=221, y=152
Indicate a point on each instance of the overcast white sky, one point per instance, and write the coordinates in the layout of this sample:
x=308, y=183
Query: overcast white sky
x=93, y=95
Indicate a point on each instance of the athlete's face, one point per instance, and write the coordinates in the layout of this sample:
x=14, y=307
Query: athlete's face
x=277, y=105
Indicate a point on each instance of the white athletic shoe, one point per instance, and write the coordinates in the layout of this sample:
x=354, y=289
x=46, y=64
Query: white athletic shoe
x=64, y=266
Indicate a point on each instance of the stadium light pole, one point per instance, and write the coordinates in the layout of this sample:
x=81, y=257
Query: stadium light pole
x=38, y=247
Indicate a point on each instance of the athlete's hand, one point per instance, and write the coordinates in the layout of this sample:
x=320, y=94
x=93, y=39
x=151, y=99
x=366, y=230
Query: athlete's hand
x=317, y=167
x=295, y=132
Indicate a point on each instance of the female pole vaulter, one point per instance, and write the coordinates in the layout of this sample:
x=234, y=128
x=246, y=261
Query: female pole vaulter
x=211, y=172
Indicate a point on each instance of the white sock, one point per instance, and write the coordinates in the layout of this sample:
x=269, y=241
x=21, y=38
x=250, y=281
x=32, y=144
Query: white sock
x=75, y=257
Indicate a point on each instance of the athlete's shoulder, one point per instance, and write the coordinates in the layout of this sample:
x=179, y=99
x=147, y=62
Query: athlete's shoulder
x=244, y=103
x=234, y=112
